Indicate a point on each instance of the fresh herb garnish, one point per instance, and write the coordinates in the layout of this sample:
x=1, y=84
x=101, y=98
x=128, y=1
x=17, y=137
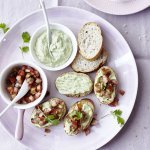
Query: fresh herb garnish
x=117, y=114
x=76, y=115
x=24, y=49
x=79, y=115
x=120, y=120
x=51, y=119
x=4, y=27
x=55, y=122
x=26, y=37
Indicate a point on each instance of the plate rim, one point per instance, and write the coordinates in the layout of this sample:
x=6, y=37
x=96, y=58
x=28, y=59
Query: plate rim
x=115, y=13
x=107, y=22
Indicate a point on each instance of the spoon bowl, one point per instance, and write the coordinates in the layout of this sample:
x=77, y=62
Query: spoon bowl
x=22, y=92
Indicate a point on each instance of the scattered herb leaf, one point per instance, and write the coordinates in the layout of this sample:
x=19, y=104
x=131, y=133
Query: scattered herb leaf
x=120, y=120
x=117, y=113
x=26, y=37
x=4, y=27
x=24, y=49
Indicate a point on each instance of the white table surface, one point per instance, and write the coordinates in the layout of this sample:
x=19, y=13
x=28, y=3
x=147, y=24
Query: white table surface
x=136, y=30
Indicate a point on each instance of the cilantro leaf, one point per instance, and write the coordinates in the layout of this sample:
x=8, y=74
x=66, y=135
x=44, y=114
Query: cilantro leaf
x=120, y=120
x=117, y=112
x=24, y=49
x=79, y=115
x=26, y=37
x=55, y=122
x=51, y=119
x=4, y=27
x=76, y=115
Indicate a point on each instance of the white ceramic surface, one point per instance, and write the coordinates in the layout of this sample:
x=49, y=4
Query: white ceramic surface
x=19, y=131
x=119, y=7
x=5, y=72
x=60, y=27
x=121, y=59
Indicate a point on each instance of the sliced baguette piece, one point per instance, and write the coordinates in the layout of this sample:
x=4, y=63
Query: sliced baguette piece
x=85, y=108
x=90, y=41
x=74, y=84
x=80, y=64
x=105, y=85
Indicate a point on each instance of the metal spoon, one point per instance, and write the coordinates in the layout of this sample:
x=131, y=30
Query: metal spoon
x=23, y=91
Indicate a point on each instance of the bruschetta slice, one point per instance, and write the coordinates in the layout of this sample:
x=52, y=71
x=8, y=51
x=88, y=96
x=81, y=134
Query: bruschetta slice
x=105, y=85
x=74, y=84
x=49, y=113
x=79, y=117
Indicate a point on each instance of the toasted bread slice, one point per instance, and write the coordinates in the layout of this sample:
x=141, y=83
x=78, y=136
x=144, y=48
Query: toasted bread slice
x=79, y=117
x=105, y=85
x=48, y=113
x=90, y=41
x=74, y=84
x=80, y=64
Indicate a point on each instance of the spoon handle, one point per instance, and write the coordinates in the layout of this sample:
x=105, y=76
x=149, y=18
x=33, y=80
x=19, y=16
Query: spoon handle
x=46, y=20
x=24, y=89
x=20, y=125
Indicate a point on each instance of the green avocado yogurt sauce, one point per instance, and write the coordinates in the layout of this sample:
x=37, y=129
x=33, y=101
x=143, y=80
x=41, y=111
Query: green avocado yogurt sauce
x=60, y=47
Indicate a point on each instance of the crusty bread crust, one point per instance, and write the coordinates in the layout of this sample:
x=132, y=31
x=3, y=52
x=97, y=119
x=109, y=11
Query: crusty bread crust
x=81, y=51
x=80, y=94
x=96, y=64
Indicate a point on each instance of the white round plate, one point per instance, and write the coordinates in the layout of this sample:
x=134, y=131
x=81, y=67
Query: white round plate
x=120, y=59
x=116, y=7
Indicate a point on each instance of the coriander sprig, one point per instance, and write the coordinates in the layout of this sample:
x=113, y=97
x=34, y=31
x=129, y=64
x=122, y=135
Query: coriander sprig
x=24, y=49
x=76, y=114
x=51, y=119
x=117, y=114
x=4, y=27
x=26, y=39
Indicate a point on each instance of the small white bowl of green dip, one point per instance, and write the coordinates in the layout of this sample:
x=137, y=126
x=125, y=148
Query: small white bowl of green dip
x=63, y=47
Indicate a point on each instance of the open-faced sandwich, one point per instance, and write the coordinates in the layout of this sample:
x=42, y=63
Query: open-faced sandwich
x=79, y=117
x=105, y=86
x=48, y=113
x=74, y=84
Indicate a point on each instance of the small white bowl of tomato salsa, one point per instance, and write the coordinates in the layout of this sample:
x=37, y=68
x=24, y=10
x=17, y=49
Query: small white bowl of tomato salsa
x=11, y=80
